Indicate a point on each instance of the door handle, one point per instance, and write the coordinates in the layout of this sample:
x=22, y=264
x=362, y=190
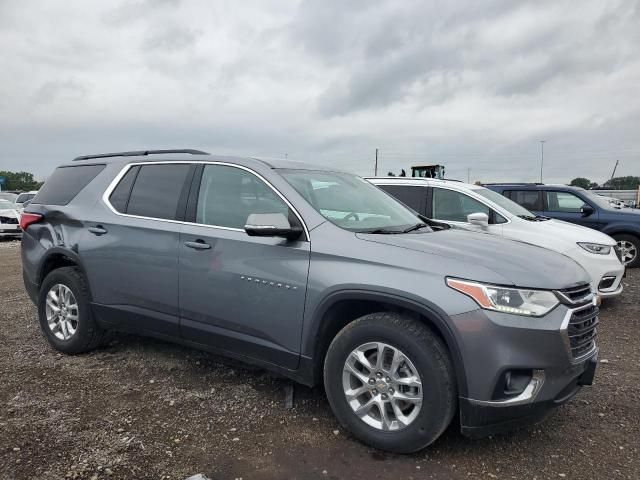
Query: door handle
x=98, y=230
x=198, y=245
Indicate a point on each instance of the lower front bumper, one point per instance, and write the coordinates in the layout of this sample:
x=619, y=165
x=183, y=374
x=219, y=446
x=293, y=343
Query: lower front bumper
x=480, y=418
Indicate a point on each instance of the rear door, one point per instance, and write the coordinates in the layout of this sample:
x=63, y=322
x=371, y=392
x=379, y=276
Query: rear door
x=239, y=293
x=130, y=249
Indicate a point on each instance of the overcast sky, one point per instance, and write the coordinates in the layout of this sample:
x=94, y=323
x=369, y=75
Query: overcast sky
x=472, y=85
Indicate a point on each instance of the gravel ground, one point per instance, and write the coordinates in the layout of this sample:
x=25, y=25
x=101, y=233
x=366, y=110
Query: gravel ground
x=140, y=408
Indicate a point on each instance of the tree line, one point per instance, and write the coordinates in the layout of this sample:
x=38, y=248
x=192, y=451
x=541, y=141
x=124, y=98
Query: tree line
x=617, y=183
x=19, y=181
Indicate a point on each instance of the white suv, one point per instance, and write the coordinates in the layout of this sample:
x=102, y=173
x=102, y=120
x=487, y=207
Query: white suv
x=478, y=208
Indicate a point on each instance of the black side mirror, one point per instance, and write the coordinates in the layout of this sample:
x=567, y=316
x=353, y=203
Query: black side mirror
x=271, y=225
x=586, y=210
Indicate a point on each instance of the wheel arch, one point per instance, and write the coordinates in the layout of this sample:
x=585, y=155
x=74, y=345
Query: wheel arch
x=340, y=308
x=55, y=258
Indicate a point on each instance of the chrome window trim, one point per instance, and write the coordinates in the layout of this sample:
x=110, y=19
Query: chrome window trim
x=107, y=193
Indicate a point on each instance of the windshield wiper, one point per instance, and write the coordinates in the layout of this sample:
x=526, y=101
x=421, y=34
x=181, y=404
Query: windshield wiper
x=382, y=231
x=415, y=227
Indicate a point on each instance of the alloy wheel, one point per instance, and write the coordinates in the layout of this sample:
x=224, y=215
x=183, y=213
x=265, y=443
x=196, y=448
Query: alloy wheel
x=628, y=251
x=62, y=311
x=382, y=386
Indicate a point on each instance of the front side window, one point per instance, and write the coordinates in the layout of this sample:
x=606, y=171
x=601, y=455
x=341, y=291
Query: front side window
x=349, y=201
x=228, y=195
x=563, y=202
x=455, y=206
x=156, y=191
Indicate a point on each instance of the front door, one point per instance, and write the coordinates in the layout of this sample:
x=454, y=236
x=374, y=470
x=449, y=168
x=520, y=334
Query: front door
x=568, y=207
x=452, y=207
x=240, y=293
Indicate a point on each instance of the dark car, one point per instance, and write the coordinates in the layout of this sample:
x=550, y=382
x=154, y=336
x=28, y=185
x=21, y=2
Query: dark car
x=580, y=206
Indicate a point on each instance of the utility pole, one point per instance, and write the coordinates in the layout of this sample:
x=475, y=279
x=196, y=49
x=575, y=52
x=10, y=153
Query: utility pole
x=541, y=157
x=468, y=175
x=614, y=170
x=375, y=169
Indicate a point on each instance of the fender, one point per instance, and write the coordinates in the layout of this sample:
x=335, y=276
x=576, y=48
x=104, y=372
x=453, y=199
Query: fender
x=436, y=316
x=622, y=227
x=58, y=251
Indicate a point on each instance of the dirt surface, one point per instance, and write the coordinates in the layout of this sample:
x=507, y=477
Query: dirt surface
x=140, y=408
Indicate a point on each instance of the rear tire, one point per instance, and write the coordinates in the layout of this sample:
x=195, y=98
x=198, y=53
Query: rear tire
x=426, y=364
x=631, y=245
x=79, y=332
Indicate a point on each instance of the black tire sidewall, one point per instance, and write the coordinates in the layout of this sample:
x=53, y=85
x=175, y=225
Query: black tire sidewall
x=435, y=413
x=71, y=278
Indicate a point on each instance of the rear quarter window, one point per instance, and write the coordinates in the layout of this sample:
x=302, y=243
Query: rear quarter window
x=65, y=183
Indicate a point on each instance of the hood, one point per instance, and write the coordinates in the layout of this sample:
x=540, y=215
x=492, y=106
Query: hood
x=521, y=264
x=555, y=234
x=9, y=212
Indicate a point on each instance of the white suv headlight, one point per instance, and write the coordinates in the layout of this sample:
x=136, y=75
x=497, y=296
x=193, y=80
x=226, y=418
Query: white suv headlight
x=596, y=248
x=518, y=301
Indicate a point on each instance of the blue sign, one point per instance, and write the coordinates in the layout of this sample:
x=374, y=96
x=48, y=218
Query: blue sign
x=1, y=180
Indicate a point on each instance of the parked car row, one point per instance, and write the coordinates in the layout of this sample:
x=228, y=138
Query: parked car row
x=321, y=276
x=475, y=207
x=582, y=207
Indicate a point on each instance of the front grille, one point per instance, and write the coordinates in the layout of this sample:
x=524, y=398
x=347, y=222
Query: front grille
x=576, y=295
x=618, y=252
x=582, y=330
x=9, y=220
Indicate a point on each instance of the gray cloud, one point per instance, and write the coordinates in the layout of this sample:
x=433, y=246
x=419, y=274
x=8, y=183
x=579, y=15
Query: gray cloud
x=474, y=85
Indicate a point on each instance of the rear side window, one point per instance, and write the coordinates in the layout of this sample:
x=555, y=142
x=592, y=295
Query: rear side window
x=156, y=190
x=412, y=197
x=119, y=198
x=65, y=183
x=529, y=199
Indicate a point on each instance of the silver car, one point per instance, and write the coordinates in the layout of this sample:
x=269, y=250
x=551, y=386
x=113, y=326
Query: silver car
x=317, y=275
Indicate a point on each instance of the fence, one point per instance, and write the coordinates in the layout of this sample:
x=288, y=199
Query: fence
x=631, y=197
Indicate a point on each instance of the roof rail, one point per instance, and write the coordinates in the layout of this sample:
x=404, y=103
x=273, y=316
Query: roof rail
x=514, y=183
x=140, y=153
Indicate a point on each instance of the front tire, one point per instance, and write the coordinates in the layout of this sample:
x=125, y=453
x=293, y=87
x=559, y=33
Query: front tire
x=629, y=246
x=64, y=311
x=390, y=382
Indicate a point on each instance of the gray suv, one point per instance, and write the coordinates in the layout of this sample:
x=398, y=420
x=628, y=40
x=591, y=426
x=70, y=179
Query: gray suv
x=317, y=275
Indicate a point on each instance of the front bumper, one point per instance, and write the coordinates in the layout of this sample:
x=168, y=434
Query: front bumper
x=10, y=230
x=600, y=267
x=479, y=419
x=495, y=345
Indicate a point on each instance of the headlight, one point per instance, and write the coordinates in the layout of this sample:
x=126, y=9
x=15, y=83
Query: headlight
x=533, y=303
x=596, y=248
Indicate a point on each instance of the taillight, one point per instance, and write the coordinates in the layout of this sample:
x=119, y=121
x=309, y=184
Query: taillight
x=27, y=219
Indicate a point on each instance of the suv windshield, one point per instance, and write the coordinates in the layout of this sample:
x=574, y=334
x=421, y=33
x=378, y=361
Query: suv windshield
x=509, y=205
x=599, y=200
x=351, y=202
